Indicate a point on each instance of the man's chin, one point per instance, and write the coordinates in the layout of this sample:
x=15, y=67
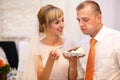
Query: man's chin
x=85, y=33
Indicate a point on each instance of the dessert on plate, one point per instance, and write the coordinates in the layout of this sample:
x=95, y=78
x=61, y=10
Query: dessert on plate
x=78, y=52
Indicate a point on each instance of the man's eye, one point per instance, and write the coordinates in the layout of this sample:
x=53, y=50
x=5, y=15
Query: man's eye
x=78, y=20
x=86, y=20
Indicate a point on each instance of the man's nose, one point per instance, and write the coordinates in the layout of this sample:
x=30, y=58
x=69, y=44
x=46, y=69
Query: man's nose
x=81, y=23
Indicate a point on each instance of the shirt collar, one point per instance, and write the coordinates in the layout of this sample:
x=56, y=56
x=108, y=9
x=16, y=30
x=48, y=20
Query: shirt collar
x=100, y=36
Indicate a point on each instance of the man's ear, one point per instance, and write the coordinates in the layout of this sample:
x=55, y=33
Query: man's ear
x=99, y=17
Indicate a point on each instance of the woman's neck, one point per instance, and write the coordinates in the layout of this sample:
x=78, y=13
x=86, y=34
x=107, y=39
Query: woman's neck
x=52, y=40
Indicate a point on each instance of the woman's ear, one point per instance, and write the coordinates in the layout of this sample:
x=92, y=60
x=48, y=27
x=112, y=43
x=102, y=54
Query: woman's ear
x=44, y=27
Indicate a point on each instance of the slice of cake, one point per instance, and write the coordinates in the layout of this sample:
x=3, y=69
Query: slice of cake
x=79, y=50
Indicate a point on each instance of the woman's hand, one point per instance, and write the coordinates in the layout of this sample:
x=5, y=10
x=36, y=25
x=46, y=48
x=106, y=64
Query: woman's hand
x=72, y=71
x=70, y=50
x=54, y=55
x=45, y=74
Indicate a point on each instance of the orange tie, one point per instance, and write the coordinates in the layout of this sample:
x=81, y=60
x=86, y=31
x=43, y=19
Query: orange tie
x=91, y=61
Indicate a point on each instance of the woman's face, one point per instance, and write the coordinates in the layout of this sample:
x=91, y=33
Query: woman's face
x=56, y=27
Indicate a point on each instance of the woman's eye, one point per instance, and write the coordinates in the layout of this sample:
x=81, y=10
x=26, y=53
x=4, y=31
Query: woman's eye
x=57, y=22
x=62, y=20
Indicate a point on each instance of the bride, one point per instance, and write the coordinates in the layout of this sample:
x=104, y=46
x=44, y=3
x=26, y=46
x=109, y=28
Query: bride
x=47, y=61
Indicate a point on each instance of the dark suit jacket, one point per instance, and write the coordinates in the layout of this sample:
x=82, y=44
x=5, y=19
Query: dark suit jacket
x=11, y=52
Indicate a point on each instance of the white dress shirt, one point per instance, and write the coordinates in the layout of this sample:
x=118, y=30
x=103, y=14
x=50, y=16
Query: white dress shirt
x=107, y=59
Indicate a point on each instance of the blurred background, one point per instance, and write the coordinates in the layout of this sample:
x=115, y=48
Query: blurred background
x=18, y=20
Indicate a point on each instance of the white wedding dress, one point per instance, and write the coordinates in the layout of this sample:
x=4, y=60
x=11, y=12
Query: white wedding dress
x=60, y=68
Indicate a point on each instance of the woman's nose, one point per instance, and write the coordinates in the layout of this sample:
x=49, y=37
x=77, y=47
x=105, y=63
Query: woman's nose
x=62, y=24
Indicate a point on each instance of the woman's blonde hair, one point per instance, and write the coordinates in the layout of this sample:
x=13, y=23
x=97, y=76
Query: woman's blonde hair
x=47, y=14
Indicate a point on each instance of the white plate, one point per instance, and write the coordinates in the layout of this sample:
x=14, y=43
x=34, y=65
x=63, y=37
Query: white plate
x=73, y=54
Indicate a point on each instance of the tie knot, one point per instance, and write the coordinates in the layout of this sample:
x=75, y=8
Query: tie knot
x=93, y=41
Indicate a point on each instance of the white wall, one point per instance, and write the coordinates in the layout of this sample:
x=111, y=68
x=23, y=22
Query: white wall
x=18, y=17
x=110, y=10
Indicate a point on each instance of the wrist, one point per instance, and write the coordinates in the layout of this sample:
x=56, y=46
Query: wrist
x=72, y=73
x=73, y=65
x=72, y=62
x=72, y=69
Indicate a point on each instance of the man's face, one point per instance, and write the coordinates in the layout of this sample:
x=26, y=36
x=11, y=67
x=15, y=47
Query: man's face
x=88, y=21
